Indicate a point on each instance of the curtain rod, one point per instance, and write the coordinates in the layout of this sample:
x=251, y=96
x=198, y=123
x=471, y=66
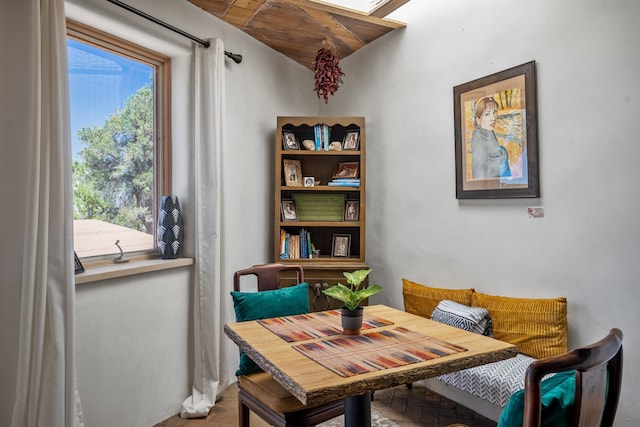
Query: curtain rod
x=235, y=57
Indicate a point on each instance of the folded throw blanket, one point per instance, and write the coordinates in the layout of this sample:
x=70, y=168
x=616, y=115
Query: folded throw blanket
x=472, y=319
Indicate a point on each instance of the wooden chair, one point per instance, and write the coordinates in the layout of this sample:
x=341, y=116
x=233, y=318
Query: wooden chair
x=598, y=380
x=259, y=392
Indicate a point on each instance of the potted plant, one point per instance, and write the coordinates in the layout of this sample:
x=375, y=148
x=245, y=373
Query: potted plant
x=352, y=297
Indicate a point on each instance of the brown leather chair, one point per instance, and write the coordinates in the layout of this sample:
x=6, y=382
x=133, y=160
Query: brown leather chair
x=259, y=392
x=598, y=380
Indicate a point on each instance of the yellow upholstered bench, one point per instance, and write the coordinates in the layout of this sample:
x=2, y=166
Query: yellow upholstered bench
x=538, y=327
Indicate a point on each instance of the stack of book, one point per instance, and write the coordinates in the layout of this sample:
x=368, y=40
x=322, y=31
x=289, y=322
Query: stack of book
x=321, y=133
x=295, y=246
x=344, y=182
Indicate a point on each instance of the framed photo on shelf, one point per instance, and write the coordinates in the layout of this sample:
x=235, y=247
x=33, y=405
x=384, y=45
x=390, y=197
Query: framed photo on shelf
x=352, y=210
x=309, y=181
x=496, y=135
x=292, y=173
x=289, y=141
x=351, y=140
x=341, y=246
x=78, y=265
x=347, y=170
x=289, y=212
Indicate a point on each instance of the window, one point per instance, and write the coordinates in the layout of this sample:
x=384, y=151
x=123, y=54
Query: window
x=365, y=6
x=119, y=96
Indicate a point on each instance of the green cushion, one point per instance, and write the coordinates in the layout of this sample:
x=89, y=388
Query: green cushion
x=557, y=395
x=263, y=305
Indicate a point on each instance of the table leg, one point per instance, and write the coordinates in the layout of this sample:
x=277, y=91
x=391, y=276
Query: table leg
x=357, y=411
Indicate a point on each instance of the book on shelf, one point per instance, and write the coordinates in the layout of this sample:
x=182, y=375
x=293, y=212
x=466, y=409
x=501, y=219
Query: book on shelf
x=344, y=182
x=295, y=246
x=321, y=133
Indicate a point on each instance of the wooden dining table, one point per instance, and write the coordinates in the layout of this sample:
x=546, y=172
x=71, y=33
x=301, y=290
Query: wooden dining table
x=395, y=348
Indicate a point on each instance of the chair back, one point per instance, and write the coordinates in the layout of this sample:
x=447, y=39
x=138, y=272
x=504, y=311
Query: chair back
x=598, y=380
x=268, y=275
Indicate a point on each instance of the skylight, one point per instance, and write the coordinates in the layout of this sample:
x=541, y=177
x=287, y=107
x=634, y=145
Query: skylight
x=361, y=5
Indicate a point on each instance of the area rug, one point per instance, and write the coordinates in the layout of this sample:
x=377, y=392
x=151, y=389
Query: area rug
x=377, y=420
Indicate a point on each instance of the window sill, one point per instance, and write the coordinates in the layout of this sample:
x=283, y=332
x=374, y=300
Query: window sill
x=112, y=271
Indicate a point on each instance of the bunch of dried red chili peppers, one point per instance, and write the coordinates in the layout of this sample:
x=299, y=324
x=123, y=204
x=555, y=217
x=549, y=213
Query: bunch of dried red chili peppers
x=328, y=73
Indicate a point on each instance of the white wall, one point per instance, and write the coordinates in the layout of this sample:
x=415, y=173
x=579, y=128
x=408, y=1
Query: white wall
x=586, y=247
x=134, y=335
x=133, y=343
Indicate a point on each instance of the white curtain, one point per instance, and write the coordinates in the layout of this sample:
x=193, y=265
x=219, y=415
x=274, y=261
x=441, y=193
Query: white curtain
x=46, y=391
x=209, y=289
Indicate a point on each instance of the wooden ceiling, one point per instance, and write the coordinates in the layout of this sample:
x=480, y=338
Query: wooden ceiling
x=298, y=28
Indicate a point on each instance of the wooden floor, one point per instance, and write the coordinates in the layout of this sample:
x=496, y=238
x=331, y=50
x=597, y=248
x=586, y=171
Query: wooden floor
x=413, y=407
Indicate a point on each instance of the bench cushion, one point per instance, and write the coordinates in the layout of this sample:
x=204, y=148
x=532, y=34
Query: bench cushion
x=538, y=327
x=494, y=382
x=422, y=300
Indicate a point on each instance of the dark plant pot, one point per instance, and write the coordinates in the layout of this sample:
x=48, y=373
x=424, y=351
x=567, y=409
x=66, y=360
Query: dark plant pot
x=351, y=320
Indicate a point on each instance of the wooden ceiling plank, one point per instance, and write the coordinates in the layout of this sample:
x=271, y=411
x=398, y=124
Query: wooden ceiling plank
x=336, y=29
x=242, y=11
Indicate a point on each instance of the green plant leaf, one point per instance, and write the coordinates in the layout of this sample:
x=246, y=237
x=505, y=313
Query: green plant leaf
x=353, y=297
x=339, y=292
x=356, y=277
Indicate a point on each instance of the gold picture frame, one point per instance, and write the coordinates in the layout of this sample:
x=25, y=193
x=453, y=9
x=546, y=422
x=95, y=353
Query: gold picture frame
x=292, y=173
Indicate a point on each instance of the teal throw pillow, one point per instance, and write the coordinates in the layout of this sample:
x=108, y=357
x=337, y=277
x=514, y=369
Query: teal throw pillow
x=557, y=395
x=263, y=305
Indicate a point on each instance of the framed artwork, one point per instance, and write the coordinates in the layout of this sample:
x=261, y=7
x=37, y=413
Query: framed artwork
x=292, y=173
x=309, y=181
x=496, y=135
x=289, y=141
x=352, y=210
x=78, y=265
x=288, y=209
x=346, y=170
x=351, y=140
x=341, y=246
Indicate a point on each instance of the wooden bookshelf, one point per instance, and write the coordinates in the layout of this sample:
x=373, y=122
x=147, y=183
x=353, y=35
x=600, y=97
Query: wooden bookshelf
x=320, y=201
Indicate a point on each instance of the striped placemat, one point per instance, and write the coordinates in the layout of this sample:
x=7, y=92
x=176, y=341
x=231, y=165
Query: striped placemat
x=320, y=324
x=351, y=355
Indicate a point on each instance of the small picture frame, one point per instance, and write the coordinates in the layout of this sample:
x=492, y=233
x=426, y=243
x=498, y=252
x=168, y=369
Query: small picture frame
x=288, y=209
x=352, y=210
x=346, y=170
x=351, y=140
x=289, y=141
x=309, y=181
x=341, y=246
x=292, y=173
x=78, y=265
